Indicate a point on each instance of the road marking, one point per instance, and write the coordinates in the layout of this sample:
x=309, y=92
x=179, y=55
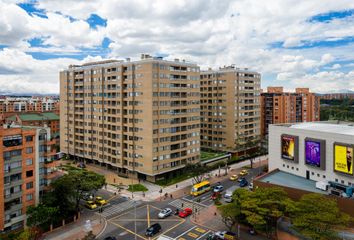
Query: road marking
x=185, y=232
x=183, y=220
x=126, y=229
x=200, y=230
x=104, y=228
x=126, y=212
x=203, y=235
x=193, y=235
x=148, y=214
x=144, y=220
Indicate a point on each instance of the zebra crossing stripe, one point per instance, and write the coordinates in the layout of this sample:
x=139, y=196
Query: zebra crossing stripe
x=118, y=208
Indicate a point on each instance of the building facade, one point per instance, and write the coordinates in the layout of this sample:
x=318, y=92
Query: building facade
x=230, y=108
x=278, y=106
x=140, y=118
x=27, y=167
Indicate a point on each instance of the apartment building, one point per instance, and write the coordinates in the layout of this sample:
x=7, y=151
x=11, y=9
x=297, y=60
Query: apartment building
x=230, y=108
x=9, y=106
x=27, y=167
x=278, y=106
x=140, y=118
x=339, y=96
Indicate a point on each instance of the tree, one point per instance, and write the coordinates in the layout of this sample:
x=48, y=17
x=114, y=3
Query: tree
x=317, y=217
x=198, y=171
x=27, y=234
x=232, y=213
x=264, y=206
x=37, y=215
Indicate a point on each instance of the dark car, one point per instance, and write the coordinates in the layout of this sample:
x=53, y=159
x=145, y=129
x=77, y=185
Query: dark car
x=243, y=183
x=153, y=229
x=110, y=238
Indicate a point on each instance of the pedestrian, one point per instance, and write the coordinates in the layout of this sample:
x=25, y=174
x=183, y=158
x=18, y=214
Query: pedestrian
x=182, y=204
x=176, y=185
x=171, y=196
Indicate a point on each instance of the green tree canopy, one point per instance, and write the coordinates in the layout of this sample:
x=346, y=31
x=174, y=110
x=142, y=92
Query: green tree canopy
x=317, y=217
x=37, y=215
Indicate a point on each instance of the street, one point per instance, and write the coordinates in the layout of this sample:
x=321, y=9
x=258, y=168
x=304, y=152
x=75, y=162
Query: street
x=128, y=219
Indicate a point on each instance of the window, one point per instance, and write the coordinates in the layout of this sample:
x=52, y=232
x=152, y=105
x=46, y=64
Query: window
x=29, y=173
x=312, y=173
x=324, y=176
x=29, y=138
x=29, y=150
x=29, y=197
x=29, y=162
x=29, y=185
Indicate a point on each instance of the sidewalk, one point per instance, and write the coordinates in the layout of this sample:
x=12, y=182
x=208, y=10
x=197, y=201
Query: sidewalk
x=182, y=188
x=76, y=230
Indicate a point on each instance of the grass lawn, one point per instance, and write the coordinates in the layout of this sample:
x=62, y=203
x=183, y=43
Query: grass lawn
x=209, y=155
x=137, y=188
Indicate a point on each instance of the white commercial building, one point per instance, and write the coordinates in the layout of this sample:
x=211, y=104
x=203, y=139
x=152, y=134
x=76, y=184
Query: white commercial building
x=319, y=151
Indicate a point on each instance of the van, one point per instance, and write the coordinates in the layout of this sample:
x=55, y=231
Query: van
x=153, y=229
x=228, y=197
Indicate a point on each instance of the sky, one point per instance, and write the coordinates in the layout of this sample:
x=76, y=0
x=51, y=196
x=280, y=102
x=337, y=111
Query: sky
x=293, y=44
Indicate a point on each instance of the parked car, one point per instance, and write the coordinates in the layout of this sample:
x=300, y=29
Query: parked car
x=153, y=229
x=185, y=213
x=87, y=196
x=218, y=188
x=241, y=179
x=228, y=197
x=100, y=201
x=233, y=177
x=220, y=234
x=165, y=213
x=243, y=172
x=90, y=205
x=243, y=183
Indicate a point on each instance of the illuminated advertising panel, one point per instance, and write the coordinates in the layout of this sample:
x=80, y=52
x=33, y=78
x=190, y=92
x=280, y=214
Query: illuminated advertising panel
x=343, y=158
x=315, y=152
x=289, y=148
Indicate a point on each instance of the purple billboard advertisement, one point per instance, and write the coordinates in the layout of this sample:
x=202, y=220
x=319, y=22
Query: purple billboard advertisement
x=313, y=153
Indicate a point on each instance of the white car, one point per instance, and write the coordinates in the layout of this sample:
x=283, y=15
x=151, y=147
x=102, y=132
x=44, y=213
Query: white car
x=228, y=197
x=220, y=234
x=165, y=213
x=218, y=188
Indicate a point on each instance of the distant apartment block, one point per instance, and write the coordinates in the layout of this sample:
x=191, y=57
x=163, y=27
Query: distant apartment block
x=12, y=105
x=27, y=167
x=230, y=108
x=139, y=118
x=278, y=106
x=339, y=96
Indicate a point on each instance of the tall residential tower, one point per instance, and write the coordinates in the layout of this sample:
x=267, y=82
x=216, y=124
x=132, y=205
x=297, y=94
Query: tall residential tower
x=230, y=108
x=140, y=118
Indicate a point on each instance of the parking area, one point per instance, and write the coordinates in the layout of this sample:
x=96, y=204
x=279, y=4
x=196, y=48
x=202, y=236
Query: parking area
x=134, y=222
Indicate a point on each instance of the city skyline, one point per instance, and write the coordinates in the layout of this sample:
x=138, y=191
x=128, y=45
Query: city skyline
x=302, y=48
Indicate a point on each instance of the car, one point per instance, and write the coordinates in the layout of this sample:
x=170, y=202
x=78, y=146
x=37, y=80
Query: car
x=233, y=177
x=100, y=201
x=250, y=187
x=220, y=234
x=87, y=196
x=153, y=229
x=243, y=172
x=228, y=197
x=110, y=238
x=243, y=183
x=215, y=195
x=165, y=213
x=90, y=205
x=218, y=188
x=241, y=179
x=185, y=213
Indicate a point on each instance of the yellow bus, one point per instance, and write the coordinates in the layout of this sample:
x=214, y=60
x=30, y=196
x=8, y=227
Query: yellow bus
x=200, y=188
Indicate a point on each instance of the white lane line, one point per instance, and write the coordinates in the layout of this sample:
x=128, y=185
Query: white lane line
x=203, y=235
x=185, y=232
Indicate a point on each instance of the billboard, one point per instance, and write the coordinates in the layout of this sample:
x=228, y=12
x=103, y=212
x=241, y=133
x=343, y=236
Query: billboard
x=315, y=152
x=343, y=158
x=289, y=147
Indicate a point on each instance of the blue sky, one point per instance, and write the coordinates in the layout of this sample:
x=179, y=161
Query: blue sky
x=311, y=46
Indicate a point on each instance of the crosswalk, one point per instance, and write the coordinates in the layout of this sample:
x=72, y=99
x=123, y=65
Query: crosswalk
x=182, y=204
x=114, y=209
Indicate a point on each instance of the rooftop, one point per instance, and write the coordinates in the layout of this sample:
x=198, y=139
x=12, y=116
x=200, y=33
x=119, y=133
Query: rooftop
x=289, y=180
x=35, y=116
x=346, y=128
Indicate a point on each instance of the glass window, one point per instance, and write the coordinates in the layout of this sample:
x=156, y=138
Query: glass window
x=29, y=138
x=29, y=149
x=29, y=197
x=29, y=185
x=29, y=162
x=29, y=173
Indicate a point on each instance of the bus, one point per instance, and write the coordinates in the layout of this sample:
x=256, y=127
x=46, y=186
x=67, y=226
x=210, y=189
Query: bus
x=200, y=188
